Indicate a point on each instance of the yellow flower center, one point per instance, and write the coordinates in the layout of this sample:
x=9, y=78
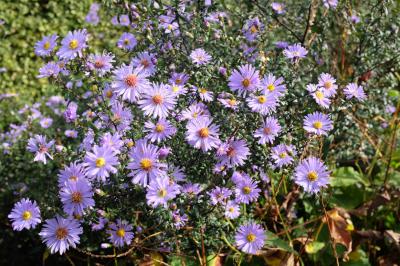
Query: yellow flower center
x=271, y=87
x=253, y=29
x=76, y=197
x=175, y=88
x=46, y=45
x=283, y=155
x=246, y=82
x=232, y=102
x=195, y=114
x=317, y=125
x=319, y=95
x=73, y=44
x=131, y=80
x=328, y=85
x=178, y=81
x=159, y=128
x=146, y=164
x=130, y=144
x=251, y=237
x=26, y=215
x=169, y=27
x=246, y=190
x=109, y=94
x=73, y=178
x=162, y=193
x=312, y=176
x=126, y=41
x=262, y=99
x=204, y=133
x=61, y=233
x=203, y=90
x=157, y=99
x=100, y=162
x=120, y=232
x=231, y=209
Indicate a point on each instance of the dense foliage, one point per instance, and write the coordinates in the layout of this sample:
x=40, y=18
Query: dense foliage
x=200, y=133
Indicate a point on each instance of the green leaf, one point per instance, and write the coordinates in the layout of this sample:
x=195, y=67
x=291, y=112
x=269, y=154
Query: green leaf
x=276, y=242
x=393, y=93
x=314, y=247
x=347, y=176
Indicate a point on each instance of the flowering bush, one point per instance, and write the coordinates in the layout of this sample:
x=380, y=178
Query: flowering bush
x=196, y=133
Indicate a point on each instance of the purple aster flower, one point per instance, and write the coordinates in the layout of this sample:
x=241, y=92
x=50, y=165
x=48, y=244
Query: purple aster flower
x=268, y=132
x=327, y=84
x=353, y=90
x=50, y=69
x=160, y=191
x=145, y=164
x=124, y=20
x=230, y=103
x=59, y=234
x=100, y=163
x=100, y=225
x=130, y=82
x=279, y=8
x=46, y=122
x=70, y=112
x=100, y=63
x=25, y=214
x=317, y=123
x=179, y=78
x=92, y=17
x=178, y=89
x=127, y=41
x=177, y=173
x=283, y=155
x=113, y=141
x=202, y=134
x=179, y=220
x=39, y=145
x=157, y=101
x=194, y=111
x=71, y=173
x=319, y=95
x=252, y=29
x=122, y=116
x=244, y=80
x=191, y=189
x=73, y=44
x=219, y=195
x=146, y=61
x=250, y=238
x=390, y=109
x=232, y=210
x=311, y=174
x=246, y=191
x=120, y=233
x=71, y=133
x=281, y=45
x=159, y=131
x=295, y=51
x=263, y=104
x=272, y=85
x=355, y=19
x=234, y=153
x=76, y=196
x=205, y=95
x=330, y=3
x=200, y=57
x=45, y=46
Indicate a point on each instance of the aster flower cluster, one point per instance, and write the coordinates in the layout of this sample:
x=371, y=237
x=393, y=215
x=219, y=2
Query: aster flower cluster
x=158, y=134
